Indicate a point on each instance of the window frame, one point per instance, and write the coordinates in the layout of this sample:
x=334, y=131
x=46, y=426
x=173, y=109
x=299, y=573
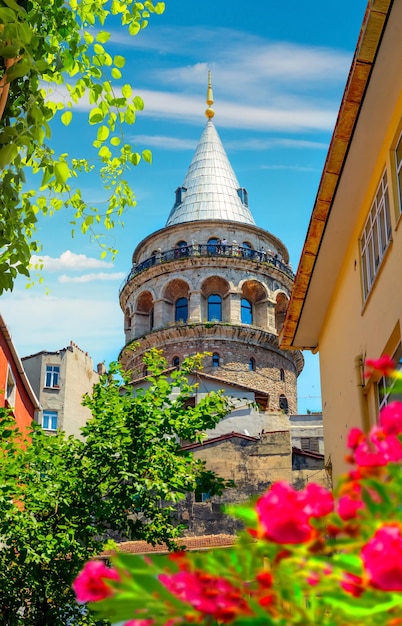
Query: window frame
x=210, y=317
x=376, y=236
x=52, y=374
x=50, y=415
x=246, y=308
x=385, y=384
x=178, y=307
x=398, y=170
x=11, y=388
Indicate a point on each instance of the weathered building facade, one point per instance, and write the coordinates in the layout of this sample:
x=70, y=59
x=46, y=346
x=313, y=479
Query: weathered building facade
x=60, y=379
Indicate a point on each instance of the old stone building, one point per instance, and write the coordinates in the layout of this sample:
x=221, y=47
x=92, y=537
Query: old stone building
x=213, y=281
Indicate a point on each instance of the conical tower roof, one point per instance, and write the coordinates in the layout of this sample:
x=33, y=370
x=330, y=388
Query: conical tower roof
x=210, y=190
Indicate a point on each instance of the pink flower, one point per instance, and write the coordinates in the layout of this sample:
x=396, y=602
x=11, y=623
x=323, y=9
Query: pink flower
x=139, y=622
x=348, y=507
x=391, y=418
x=90, y=586
x=354, y=438
x=208, y=594
x=382, y=558
x=284, y=513
x=385, y=365
x=318, y=501
x=378, y=449
x=352, y=584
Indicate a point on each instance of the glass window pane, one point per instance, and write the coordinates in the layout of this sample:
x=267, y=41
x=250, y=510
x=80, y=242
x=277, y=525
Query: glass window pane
x=246, y=312
x=214, y=308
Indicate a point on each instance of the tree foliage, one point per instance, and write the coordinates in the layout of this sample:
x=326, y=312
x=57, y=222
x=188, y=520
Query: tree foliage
x=54, y=55
x=61, y=497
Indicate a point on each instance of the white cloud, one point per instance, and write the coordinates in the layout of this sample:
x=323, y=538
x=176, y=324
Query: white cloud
x=69, y=261
x=96, y=325
x=165, y=143
x=294, y=168
x=86, y=278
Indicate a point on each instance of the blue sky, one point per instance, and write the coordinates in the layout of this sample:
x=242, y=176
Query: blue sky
x=278, y=71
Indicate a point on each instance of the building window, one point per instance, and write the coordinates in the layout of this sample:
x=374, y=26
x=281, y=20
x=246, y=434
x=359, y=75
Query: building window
x=376, y=236
x=181, y=249
x=283, y=403
x=398, y=158
x=52, y=378
x=49, y=420
x=181, y=310
x=213, y=245
x=151, y=319
x=215, y=359
x=251, y=365
x=214, y=308
x=282, y=375
x=246, y=311
x=385, y=385
x=247, y=249
x=310, y=444
x=176, y=361
x=201, y=496
x=10, y=388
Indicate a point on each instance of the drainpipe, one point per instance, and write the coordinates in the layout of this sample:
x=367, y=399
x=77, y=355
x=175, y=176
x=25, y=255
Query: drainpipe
x=362, y=394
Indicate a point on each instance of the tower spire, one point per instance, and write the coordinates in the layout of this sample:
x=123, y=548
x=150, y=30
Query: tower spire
x=210, y=98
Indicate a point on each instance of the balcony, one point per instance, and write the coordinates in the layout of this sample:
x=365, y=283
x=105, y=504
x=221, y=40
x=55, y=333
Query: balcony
x=208, y=250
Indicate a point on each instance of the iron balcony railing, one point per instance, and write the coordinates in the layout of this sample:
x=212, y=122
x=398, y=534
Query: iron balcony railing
x=208, y=250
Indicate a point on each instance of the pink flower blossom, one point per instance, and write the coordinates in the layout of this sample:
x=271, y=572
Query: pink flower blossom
x=378, y=449
x=391, y=418
x=139, y=622
x=208, y=594
x=284, y=513
x=382, y=558
x=354, y=438
x=348, y=507
x=90, y=585
x=385, y=365
x=352, y=584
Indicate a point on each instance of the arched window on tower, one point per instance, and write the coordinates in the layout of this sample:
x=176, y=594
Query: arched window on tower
x=214, y=308
x=181, y=310
x=283, y=403
x=247, y=249
x=181, y=248
x=213, y=244
x=176, y=361
x=215, y=359
x=246, y=311
x=251, y=365
x=151, y=319
x=282, y=375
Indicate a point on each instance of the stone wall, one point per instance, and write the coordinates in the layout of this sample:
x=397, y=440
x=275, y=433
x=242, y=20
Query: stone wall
x=253, y=464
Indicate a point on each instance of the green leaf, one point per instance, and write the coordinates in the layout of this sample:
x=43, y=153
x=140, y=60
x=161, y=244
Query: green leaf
x=61, y=172
x=116, y=73
x=119, y=61
x=147, y=156
x=126, y=91
x=95, y=116
x=115, y=141
x=103, y=133
x=66, y=117
x=8, y=154
x=103, y=36
x=138, y=103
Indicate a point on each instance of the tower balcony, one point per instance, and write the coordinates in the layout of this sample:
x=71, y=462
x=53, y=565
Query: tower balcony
x=205, y=250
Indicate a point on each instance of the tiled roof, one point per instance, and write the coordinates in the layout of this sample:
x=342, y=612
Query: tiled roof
x=191, y=543
x=210, y=189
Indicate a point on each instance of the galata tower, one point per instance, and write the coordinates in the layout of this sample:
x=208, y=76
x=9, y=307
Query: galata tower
x=213, y=281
